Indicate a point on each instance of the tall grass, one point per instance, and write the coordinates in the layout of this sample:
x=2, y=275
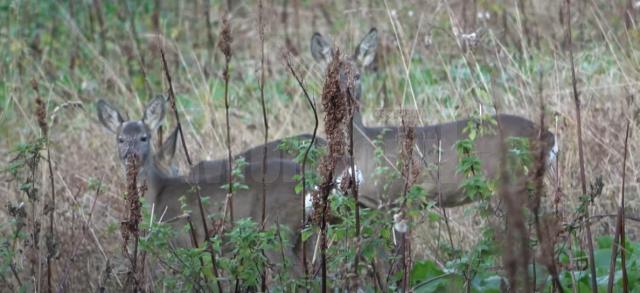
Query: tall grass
x=445, y=60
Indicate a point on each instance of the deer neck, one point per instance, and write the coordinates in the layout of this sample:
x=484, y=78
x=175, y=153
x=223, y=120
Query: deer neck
x=357, y=119
x=154, y=179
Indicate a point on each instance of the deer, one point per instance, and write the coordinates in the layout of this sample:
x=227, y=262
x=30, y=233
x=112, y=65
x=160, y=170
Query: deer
x=255, y=154
x=434, y=144
x=164, y=190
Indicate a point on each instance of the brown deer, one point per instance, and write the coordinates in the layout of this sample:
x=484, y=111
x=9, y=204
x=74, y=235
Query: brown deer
x=254, y=154
x=434, y=144
x=134, y=137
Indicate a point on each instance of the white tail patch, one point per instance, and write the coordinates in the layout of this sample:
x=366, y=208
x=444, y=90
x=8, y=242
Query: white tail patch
x=308, y=203
x=347, y=172
x=400, y=224
x=553, y=153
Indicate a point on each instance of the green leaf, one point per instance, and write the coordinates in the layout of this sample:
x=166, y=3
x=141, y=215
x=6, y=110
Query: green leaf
x=423, y=270
x=604, y=241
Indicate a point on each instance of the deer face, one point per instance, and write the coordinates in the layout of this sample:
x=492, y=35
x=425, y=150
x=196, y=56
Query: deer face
x=133, y=137
x=351, y=68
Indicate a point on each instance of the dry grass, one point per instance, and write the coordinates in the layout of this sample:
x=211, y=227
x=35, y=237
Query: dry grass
x=436, y=75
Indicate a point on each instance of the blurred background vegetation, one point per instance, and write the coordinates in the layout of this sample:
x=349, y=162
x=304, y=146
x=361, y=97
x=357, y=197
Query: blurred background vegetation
x=443, y=59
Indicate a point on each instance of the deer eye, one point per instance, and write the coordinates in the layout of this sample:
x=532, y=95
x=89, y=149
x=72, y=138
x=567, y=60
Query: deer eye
x=120, y=140
x=143, y=139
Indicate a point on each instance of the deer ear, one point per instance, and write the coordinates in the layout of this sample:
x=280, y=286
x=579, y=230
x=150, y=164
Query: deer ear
x=109, y=116
x=320, y=48
x=154, y=112
x=168, y=148
x=366, y=50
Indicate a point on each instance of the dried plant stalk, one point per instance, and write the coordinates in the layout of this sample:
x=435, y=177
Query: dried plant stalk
x=224, y=43
x=266, y=133
x=583, y=180
x=41, y=117
x=172, y=103
x=130, y=226
x=334, y=105
x=619, y=237
x=304, y=162
x=547, y=240
x=410, y=172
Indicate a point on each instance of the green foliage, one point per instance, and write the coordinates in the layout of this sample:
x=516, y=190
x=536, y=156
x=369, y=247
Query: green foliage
x=383, y=174
x=39, y=38
x=241, y=256
x=519, y=154
x=298, y=148
x=237, y=174
x=24, y=171
x=376, y=237
x=474, y=185
x=245, y=260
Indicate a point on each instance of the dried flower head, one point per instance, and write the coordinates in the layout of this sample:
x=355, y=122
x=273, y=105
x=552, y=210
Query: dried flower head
x=41, y=109
x=335, y=108
x=224, y=43
x=334, y=104
x=410, y=170
x=129, y=227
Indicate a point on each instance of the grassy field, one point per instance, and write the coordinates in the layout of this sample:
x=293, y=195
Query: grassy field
x=445, y=60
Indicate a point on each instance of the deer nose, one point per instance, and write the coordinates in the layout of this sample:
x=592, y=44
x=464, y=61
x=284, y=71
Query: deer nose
x=132, y=159
x=131, y=153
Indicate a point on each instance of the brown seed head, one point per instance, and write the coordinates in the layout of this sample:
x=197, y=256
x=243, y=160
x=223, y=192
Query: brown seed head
x=334, y=104
x=41, y=109
x=410, y=170
x=224, y=43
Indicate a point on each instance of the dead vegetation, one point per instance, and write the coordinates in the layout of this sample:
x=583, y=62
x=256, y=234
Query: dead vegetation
x=442, y=60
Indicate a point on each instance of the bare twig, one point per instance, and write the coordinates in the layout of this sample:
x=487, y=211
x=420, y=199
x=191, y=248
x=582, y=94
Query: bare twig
x=264, y=114
x=172, y=102
x=304, y=161
x=352, y=105
x=626, y=217
x=619, y=236
x=266, y=132
x=547, y=244
x=444, y=210
x=583, y=180
x=41, y=116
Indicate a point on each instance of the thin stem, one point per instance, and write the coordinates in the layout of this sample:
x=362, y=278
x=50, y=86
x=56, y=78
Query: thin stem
x=194, y=242
x=266, y=132
x=172, y=100
x=353, y=108
x=304, y=163
x=225, y=43
x=619, y=236
x=576, y=98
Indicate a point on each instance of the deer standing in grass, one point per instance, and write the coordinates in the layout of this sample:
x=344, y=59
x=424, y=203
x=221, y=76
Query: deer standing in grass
x=254, y=154
x=434, y=144
x=134, y=137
